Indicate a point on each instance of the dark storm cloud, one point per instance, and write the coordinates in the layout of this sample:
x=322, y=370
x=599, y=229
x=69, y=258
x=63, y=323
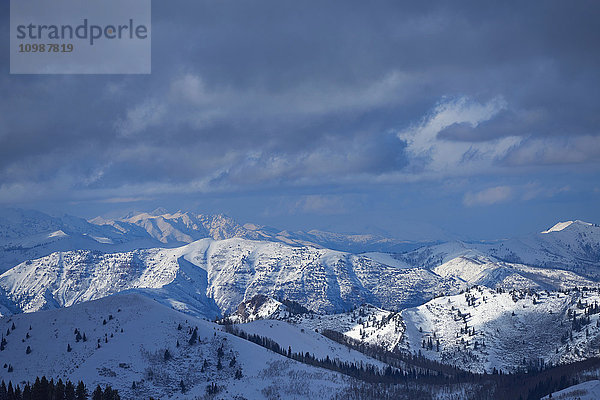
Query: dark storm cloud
x=271, y=93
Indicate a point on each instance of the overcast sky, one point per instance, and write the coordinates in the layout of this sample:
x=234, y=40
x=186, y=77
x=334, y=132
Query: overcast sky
x=414, y=119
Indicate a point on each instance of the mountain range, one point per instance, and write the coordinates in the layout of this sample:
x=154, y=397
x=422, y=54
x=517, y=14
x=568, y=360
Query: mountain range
x=510, y=305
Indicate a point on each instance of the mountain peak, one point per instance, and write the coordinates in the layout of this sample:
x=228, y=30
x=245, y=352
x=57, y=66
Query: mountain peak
x=563, y=225
x=159, y=211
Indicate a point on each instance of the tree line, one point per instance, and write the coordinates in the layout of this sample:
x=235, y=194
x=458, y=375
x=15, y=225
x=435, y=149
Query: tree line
x=44, y=389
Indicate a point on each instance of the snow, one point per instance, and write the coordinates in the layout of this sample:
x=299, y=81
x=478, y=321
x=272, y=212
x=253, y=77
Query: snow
x=558, y=227
x=137, y=353
x=589, y=390
x=212, y=277
x=563, y=225
x=572, y=245
x=386, y=258
x=302, y=340
x=483, y=271
x=513, y=326
x=367, y=323
x=58, y=233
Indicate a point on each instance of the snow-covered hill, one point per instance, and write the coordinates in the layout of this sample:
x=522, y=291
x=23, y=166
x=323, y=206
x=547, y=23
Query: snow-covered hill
x=185, y=227
x=571, y=245
x=212, y=277
x=300, y=340
x=483, y=329
x=478, y=270
x=480, y=329
x=264, y=307
x=142, y=348
x=196, y=276
x=367, y=323
x=589, y=390
x=27, y=234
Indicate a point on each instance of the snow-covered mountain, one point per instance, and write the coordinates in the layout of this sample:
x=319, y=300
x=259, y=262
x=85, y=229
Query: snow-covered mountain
x=571, y=245
x=27, y=234
x=480, y=329
x=211, y=276
x=143, y=348
x=506, y=305
x=185, y=227
x=485, y=271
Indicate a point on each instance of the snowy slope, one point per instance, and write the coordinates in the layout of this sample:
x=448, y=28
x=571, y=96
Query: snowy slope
x=185, y=227
x=589, y=390
x=480, y=270
x=132, y=344
x=480, y=329
x=226, y=272
x=258, y=307
x=366, y=323
x=509, y=328
x=301, y=340
x=571, y=245
x=27, y=234
x=63, y=279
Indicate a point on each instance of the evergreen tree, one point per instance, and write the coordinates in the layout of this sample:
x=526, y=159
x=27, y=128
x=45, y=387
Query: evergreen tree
x=110, y=394
x=81, y=392
x=69, y=391
x=97, y=394
x=27, y=392
x=194, y=336
x=59, y=390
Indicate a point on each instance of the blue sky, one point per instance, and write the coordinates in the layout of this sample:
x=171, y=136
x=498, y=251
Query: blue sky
x=419, y=121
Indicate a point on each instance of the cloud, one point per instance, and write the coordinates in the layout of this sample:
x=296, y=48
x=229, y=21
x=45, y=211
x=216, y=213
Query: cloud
x=494, y=195
x=141, y=117
x=555, y=151
x=275, y=98
x=319, y=204
x=522, y=192
x=435, y=153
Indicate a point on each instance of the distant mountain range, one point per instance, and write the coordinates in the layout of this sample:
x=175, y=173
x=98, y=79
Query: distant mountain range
x=210, y=277
x=28, y=234
x=511, y=305
x=571, y=245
